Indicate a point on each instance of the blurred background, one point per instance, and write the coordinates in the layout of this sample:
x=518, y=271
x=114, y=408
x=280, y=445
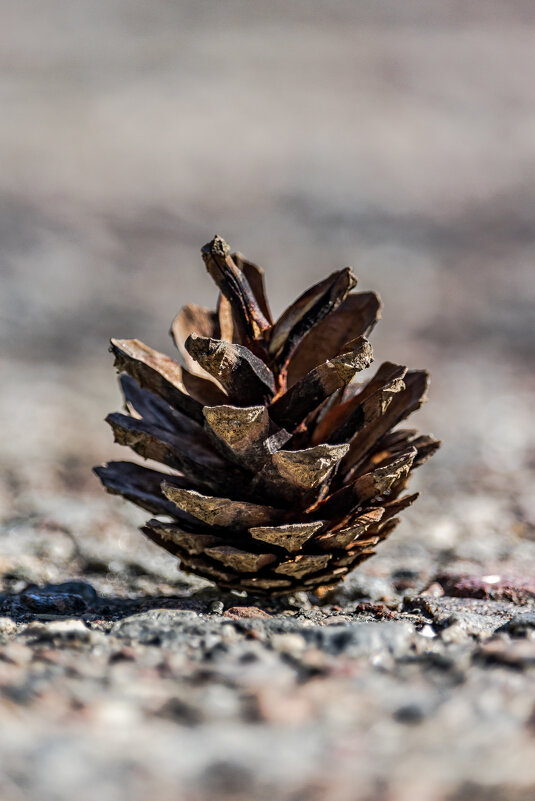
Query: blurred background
x=398, y=138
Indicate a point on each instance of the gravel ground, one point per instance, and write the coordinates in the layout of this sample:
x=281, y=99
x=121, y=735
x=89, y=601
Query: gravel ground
x=121, y=678
x=394, y=137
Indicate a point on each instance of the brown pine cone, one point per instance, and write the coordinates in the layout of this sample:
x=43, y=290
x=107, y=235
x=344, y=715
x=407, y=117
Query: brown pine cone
x=283, y=472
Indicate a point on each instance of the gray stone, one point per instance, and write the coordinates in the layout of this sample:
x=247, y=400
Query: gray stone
x=520, y=625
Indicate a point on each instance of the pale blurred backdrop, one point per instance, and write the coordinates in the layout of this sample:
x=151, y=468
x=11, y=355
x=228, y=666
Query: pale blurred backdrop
x=395, y=137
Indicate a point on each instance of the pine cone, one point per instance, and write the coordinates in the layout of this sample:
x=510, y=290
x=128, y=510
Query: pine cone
x=285, y=473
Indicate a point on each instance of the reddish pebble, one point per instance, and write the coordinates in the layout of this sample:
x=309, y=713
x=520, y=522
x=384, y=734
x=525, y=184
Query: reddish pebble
x=518, y=589
x=378, y=610
x=245, y=611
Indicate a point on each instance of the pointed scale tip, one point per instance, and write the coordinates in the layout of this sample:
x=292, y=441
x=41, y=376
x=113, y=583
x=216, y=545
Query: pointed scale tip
x=217, y=246
x=351, y=277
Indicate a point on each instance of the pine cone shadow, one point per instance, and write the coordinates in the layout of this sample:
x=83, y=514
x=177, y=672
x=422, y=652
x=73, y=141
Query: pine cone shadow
x=79, y=600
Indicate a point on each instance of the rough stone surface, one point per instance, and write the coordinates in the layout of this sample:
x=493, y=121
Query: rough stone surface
x=122, y=679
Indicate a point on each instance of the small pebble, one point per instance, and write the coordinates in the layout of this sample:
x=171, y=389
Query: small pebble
x=428, y=632
x=7, y=626
x=519, y=654
x=331, y=620
x=63, y=630
x=435, y=590
x=410, y=714
x=288, y=643
x=245, y=612
x=521, y=625
x=71, y=597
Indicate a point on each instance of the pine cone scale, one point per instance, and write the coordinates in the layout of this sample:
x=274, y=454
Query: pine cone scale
x=243, y=376
x=291, y=408
x=217, y=511
x=156, y=374
x=355, y=317
x=306, y=312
